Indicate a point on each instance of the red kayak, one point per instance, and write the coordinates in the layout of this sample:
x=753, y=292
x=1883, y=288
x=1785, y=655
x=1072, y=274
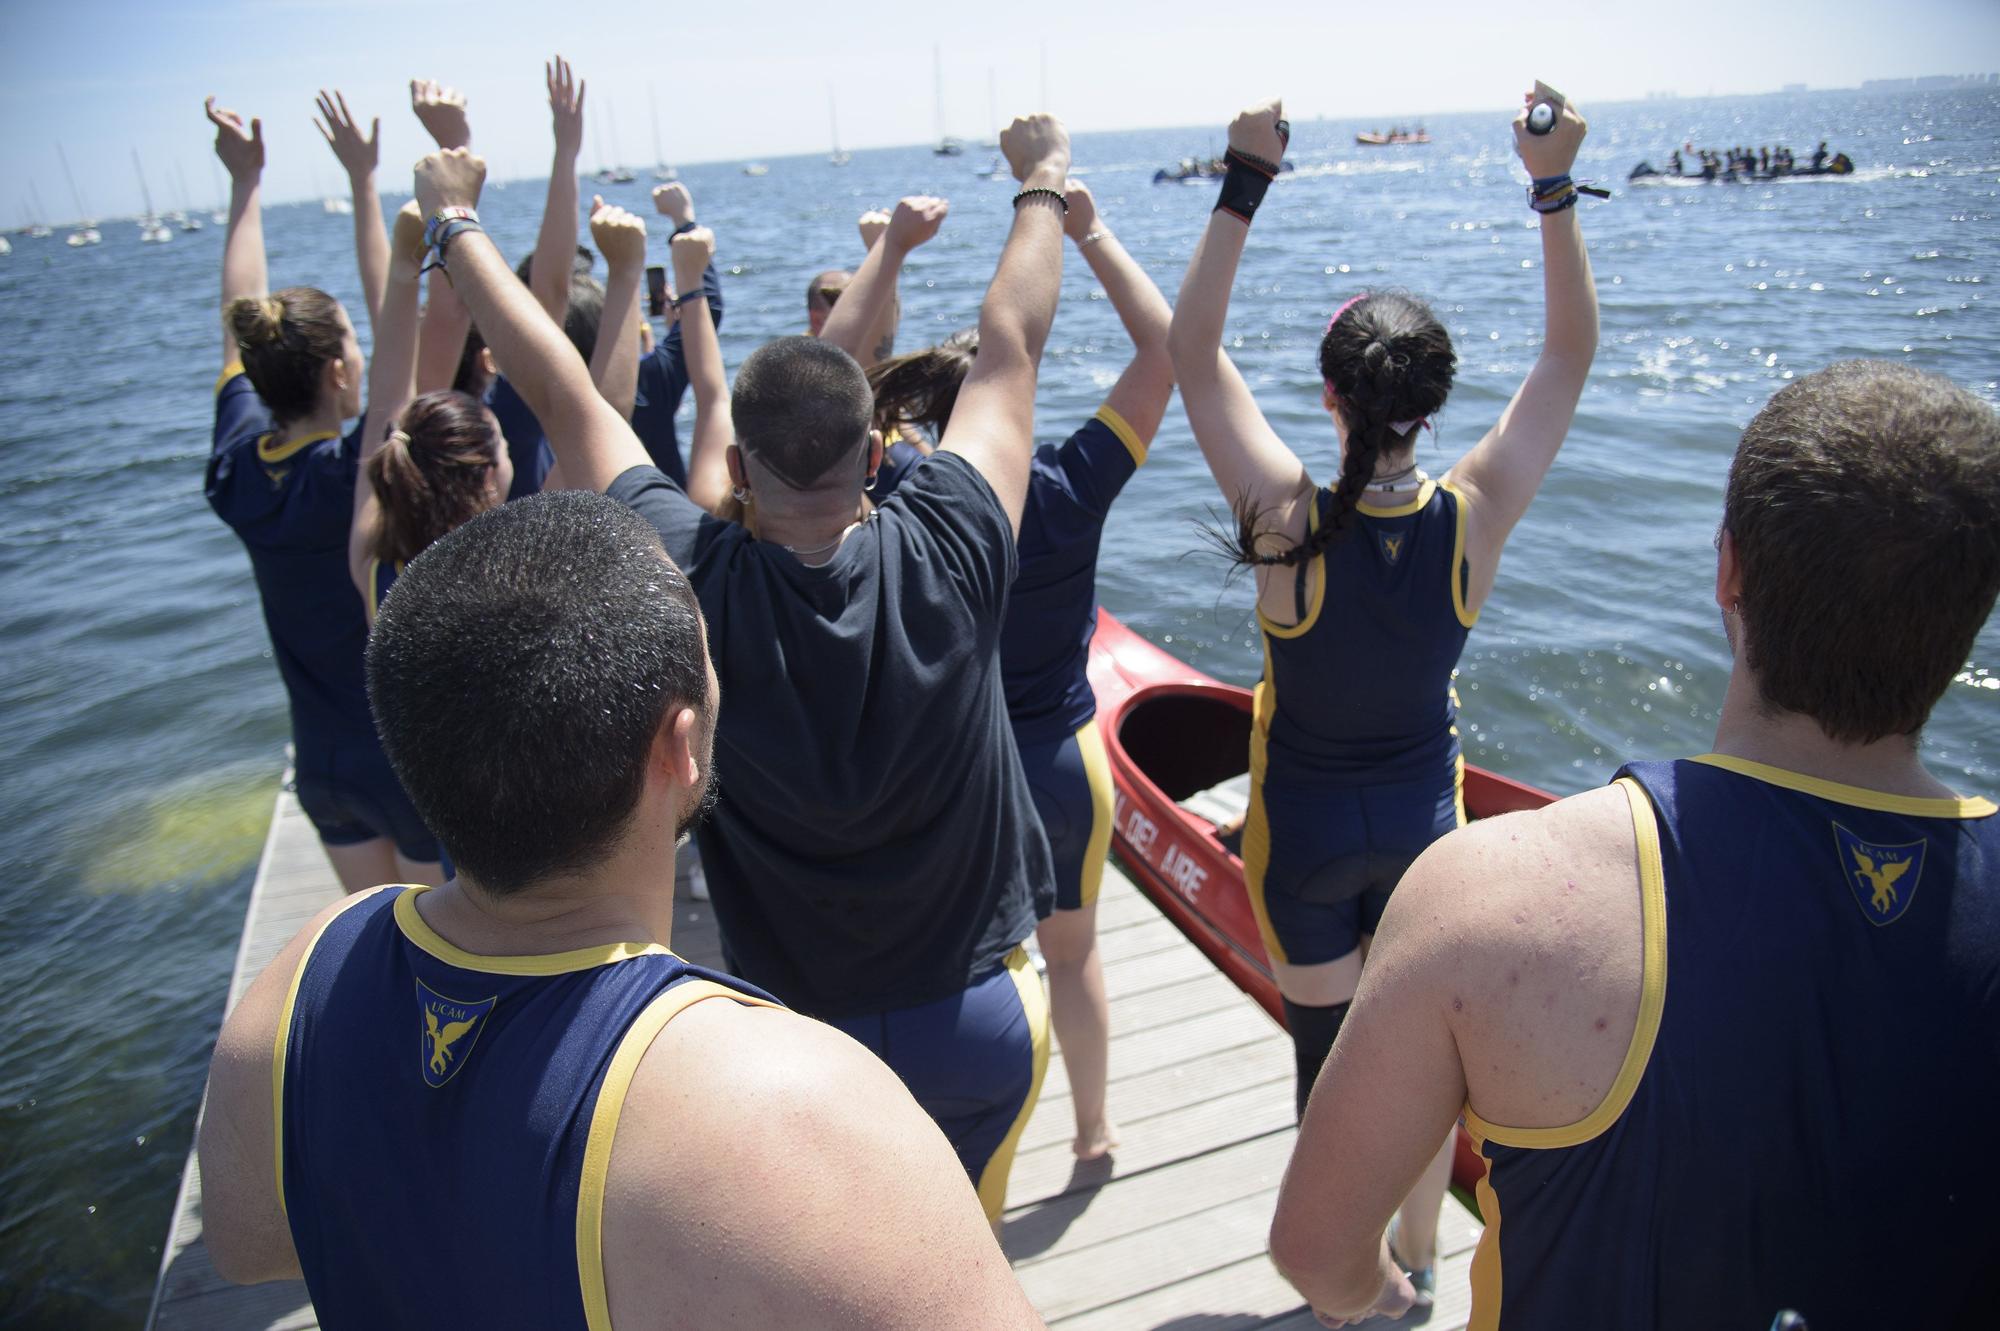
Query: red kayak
x=1173, y=732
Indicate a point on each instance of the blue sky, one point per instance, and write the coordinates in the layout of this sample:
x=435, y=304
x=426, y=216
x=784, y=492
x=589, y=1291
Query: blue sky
x=751, y=79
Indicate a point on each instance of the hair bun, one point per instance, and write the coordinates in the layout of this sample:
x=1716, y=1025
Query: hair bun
x=1375, y=355
x=257, y=321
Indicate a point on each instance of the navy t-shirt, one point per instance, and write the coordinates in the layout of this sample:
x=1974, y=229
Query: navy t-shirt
x=527, y=447
x=291, y=505
x=1052, y=614
x=874, y=845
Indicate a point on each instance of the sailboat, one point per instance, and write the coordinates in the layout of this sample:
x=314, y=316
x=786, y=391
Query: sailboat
x=151, y=232
x=947, y=146
x=220, y=215
x=661, y=171
x=332, y=203
x=86, y=228
x=838, y=157
x=37, y=228
x=184, y=217
x=619, y=175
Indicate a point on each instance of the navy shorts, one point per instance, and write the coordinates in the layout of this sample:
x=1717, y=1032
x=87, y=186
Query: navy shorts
x=1070, y=779
x=974, y=1061
x=351, y=794
x=1330, y=857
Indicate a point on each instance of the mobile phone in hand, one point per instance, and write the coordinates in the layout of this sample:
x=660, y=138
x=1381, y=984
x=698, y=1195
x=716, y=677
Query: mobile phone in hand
x=656, y=289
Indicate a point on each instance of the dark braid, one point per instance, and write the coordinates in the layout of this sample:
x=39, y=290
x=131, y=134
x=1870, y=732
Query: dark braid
x=1386, y=358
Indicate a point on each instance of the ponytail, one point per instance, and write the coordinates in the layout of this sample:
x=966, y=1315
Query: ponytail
x=434, y=472
x=920, y=389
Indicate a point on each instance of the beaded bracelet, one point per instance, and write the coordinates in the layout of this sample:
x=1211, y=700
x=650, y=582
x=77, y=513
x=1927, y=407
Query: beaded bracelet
x=1554, y=194
x=1055, y=194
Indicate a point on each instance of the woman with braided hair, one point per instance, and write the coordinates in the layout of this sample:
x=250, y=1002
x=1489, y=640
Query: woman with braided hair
x=1366, y=590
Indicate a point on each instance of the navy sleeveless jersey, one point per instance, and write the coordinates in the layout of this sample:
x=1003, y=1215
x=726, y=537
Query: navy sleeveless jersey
x=1052, y=611
x=291, y=505
x=1800, y=1118
x=445, y=1120
x=1358, y=691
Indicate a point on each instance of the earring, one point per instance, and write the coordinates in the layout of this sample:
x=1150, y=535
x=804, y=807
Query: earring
x=868, y=486
x=741, y=495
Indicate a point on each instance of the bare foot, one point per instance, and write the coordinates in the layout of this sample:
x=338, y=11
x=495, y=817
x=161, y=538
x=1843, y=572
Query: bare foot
x=1096, y=1145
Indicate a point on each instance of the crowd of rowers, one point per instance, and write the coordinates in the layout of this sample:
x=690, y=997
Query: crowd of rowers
x=1765, y=163
x=531, y=645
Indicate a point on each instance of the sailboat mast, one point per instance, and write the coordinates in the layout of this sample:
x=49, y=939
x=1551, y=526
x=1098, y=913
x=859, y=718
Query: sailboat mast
x=659, y=158
x=144, y=192
x=992, y=105
x=937, y=79
x=833, y=118
x=76, y=196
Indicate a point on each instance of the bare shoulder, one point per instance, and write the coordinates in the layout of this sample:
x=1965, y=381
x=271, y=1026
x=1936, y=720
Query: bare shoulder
x=1528, y=927
x=767, y=1170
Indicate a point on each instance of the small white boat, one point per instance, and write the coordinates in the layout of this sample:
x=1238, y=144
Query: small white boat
x=338, y=207
x=153, y=232
x=756, y=169
x=88, y=235
x=39, y=232
x=6, y=246
x=839, y=156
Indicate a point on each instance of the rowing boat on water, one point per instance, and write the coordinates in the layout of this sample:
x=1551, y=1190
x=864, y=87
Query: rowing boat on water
x=1179, y=744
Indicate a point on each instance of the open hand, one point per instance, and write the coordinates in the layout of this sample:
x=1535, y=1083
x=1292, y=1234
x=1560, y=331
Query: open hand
x=449, y=179
x=693, y=250
x=915, y=221
x=672, y=201
x=337, y=126
x=1081, y=219
x=241, y=151
x=620, y=234
x=1036, y=144
x=406, y=241
x=565, y=106
x=442, y=111
x=1553, y=153
x=1254, y=132
x=872, y=224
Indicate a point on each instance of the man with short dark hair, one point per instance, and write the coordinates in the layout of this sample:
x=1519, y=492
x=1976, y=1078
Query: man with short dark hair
x=875, y=856
x=505, y=1102
x=877, y=342
x=1725, y=1029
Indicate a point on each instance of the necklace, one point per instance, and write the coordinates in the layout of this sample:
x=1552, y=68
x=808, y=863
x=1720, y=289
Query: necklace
x=1411, y=477
x=833, y=544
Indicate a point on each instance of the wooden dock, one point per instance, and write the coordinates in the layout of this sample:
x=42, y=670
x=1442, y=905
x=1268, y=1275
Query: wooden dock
x=1170, y=1233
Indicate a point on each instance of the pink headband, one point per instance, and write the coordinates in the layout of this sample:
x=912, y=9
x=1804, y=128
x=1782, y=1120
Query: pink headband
x=1400, y=427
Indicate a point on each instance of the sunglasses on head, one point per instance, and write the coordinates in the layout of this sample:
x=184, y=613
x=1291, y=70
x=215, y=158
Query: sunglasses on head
x=828, y=295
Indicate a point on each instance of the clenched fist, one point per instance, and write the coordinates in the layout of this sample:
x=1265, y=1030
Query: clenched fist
x=451, y=178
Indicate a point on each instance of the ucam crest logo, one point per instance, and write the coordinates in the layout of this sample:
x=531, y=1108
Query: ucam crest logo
x=1882, y=877
x=450, y=1030
x=1185, y=870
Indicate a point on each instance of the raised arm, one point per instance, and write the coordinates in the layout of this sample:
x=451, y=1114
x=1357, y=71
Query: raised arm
x=614, y=363
x=358, y=156
x=592, y=442
x=854, y=325
x=993, y=423
x=714, y=428
x=446, y=321
x=1501, y=474
x=391, y=374
x=1140, y=396
x=243, y=274
x=555, y=245
x=882, y=337
x=1250, y=463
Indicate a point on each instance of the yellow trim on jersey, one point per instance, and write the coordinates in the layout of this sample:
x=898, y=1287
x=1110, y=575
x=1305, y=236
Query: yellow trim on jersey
x=1035, y=1003
x=284, y=1038
x=1256, y=823
x=632, y=1047
x=229, y=371
x=1458, y=579
x=269, y=452
x=1097, y=772
x=423, y=936
x=372, y=602
x=1403, y=510
x=1652, y=998
x=1315, y=594
x=1486, y=1288
x=1914, y=806
x=1126, y=434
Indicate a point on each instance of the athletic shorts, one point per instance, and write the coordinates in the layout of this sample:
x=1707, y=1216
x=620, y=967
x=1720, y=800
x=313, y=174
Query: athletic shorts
x=351, y=794
x=1330, y=857
x=1070, y=779
x=974, y=1061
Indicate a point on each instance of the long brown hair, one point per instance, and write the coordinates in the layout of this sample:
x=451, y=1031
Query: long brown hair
x=435, y=472
x=285, y=340
x=920, y=388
